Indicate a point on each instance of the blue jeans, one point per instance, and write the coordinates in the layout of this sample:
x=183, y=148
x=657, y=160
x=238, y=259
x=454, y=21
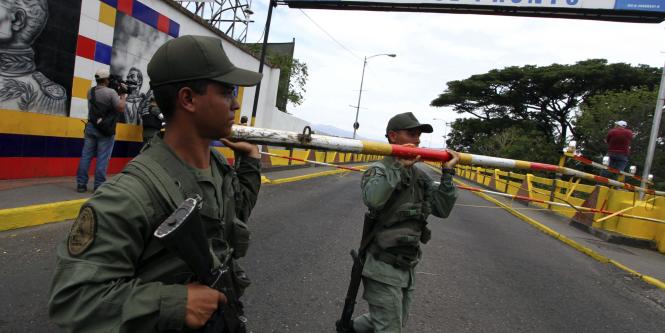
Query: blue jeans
x=94, y=144
x=618, y=161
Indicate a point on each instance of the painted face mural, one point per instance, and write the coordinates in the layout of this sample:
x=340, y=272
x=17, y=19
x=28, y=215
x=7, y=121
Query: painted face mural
x=134, y=43
x=23, y=85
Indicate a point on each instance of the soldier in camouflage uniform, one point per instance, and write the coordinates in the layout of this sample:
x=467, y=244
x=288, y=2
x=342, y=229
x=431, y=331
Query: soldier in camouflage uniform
x=112, y=275
x=399, y=196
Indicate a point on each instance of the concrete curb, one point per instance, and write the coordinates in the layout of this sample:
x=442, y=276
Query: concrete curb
x=20, y=217
x=28, y=216
x=599, y=257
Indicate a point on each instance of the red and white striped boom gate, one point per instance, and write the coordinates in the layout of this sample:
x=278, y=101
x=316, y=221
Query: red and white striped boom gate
x=333, y=143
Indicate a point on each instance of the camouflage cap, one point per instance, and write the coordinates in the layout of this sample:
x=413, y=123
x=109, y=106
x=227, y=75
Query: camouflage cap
x=407, y=120
x=196, y=57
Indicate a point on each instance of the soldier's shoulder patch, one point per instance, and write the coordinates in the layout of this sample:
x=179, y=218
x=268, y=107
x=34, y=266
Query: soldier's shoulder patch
x=82, y=233
x=50, y=88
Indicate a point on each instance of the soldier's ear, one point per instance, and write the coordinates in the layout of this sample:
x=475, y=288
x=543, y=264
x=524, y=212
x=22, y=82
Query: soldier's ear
x=392, y=136
x=19, y=20
x=185, y=99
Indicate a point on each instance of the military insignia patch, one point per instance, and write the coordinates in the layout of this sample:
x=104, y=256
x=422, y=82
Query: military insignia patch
x=82, y=233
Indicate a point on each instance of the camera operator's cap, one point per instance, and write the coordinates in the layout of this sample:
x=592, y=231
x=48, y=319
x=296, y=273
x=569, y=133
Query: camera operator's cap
x=196, y=57
x=102, y=73
x=621, y=123
x=405, y=121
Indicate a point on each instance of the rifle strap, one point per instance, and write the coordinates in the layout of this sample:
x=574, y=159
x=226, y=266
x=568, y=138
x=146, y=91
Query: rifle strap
x=372, y=214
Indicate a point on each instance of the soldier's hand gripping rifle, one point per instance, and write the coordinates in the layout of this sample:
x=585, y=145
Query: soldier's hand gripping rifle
x=182, y=233
x=345, y=323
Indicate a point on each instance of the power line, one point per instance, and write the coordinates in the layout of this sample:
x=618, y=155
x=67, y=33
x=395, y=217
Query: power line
x=329, y=35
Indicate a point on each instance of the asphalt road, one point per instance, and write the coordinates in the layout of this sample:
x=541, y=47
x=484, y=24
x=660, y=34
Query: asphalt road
x=483, y=271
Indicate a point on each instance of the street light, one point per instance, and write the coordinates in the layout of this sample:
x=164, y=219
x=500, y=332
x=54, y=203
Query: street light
x=360, y=93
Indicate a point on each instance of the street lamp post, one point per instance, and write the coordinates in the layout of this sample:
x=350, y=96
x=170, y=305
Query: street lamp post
x=360, y=93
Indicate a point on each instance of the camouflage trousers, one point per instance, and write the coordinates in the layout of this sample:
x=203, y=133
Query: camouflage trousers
x=388, y=308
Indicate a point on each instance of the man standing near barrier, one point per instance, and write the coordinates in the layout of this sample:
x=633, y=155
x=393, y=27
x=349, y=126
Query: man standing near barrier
x=399, y=197
x=618, y=145
x=112, y=274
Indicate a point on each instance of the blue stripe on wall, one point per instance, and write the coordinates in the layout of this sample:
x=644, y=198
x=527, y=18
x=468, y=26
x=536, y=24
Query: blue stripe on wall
x=112, y=3
x=103, y=53
x=19, y=145
x=145, y=14
x=174, y=28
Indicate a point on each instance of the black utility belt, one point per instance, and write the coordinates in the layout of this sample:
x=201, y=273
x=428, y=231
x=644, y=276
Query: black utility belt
x=399, y=258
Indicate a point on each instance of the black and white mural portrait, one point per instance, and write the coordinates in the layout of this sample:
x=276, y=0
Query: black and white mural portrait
x=134, y=43
x=37, y=54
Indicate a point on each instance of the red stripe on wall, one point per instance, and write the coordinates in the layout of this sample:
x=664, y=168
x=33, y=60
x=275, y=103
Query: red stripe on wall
x=125, y=6
x=37, y=167
x=85, y=47
x=163, y=24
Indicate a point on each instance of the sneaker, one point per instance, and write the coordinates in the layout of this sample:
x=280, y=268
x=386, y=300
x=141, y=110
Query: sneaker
x=81, y=188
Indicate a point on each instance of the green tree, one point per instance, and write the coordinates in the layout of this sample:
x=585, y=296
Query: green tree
x=524, y=140
x=636, y=107
x=547, y=95
x=292, y=79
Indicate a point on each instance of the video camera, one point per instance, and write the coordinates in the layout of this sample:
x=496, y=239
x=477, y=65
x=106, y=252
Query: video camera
x=119, y=85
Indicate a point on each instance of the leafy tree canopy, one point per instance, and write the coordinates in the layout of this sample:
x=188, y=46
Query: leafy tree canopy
x=292, y=79
x=545, y=95
x=522, y=139
x=636, y=107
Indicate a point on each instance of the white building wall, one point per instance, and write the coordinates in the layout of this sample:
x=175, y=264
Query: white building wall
x=286, y=122
x=239, y=57
x=267, y=114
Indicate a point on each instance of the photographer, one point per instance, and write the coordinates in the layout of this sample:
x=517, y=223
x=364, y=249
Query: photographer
x=104, y=108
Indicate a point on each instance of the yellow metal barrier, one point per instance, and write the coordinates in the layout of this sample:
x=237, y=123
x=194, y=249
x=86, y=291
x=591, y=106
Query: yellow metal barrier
x=572, y=192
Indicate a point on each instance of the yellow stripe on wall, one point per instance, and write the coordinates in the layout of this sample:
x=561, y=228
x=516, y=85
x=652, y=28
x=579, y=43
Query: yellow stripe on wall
x=30, y=123
x=80, y=87
x=107, y=14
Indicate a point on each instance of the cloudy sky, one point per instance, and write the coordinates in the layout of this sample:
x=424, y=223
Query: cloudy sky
x=431, y=49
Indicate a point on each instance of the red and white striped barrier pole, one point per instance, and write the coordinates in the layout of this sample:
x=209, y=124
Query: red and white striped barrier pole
x=324, y=142
x=597, y=165
x=476, y=189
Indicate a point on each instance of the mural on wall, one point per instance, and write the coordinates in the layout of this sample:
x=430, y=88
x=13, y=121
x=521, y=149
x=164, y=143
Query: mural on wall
x=37, y=53
x=134, y=43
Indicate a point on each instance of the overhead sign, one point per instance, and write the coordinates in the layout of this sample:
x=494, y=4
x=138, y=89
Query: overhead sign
x=646, y=11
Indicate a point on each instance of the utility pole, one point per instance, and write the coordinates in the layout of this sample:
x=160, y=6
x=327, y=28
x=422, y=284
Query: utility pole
x=262, y=61
x=654, y=131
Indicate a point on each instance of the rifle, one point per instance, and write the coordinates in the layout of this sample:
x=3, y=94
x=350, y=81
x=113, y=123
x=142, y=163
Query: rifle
x=182, y=233
x=345, y=323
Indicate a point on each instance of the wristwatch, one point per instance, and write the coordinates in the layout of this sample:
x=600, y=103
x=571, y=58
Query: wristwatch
x=449, y=171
